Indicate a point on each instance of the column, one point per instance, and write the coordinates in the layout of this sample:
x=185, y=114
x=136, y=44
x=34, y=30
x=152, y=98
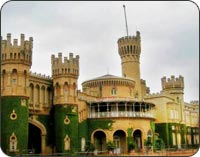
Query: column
x=117, y=110
x=9, y=75
x=46, y=97
x=125, y=109
x=90, y=111
x=133, y=110
x=39, y=98
x=43, y=144
x=98, y=111
x=107, y=109
x=140, y=110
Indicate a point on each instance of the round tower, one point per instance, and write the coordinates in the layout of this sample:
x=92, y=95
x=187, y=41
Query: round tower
x=65, y=75
x=129, y=49
x=16, y=62
x=174, y=87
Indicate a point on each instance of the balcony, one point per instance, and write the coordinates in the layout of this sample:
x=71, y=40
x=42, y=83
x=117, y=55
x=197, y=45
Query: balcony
x=114, y=114
x=122, y=108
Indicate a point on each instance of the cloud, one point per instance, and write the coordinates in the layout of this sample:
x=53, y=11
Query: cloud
x=169, y=36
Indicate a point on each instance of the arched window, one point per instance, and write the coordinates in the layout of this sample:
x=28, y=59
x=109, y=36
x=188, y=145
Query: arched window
x=66, y=88
x=13, y=142
x=177, y=99
x=14, y=77
x=114, y=91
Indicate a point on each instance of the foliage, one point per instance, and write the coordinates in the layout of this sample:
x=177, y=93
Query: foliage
x=104, y=124
x=110, y=145
x=89, y=147
x=131, y=145
x=158, y=144
x=62, y=129
x=148, y=142
x=19, y=126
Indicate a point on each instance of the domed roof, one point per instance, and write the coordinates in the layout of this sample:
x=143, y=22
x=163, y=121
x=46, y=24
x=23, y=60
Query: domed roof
x=108, y=77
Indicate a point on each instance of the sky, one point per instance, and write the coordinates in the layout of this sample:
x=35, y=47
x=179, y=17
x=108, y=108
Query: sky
x=169, y=37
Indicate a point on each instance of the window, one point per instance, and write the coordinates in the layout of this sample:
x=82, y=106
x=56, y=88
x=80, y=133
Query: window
x=113, y=91
x=13, y=142
x=14, y=81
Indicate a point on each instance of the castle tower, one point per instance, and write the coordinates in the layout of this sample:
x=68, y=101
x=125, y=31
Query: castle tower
x=16, y=62
x=65, y=75
x=174, y=88
x=129, y=49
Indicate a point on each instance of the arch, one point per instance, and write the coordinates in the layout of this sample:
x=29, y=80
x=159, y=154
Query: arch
x=48, y=96
x=66, y=88
x=15, y=56
x=57, y=89
x=43, y=95
x=37, y=95
x=39, y=125
x=99, y=138
x=42, y=128
x=119, y=139
x=31, y=93
x=137, y=136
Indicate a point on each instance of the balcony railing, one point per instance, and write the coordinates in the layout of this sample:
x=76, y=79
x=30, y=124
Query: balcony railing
x=129, y=114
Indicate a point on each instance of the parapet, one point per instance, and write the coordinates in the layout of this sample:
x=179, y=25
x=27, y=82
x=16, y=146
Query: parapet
x=12, y=52
x=128, y=39
x=130, y=46
x=173, y=83
x=70, y=66
x=39, y=75
x=194, y=102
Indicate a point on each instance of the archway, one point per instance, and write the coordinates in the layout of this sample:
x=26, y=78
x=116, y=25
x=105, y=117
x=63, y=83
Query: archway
x=34, y=139
x=100, y=140
x=40, y=134
x=137, y=136
x=119, y=139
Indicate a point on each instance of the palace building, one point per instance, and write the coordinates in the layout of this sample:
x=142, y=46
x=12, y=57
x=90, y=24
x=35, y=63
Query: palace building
x=46, y=115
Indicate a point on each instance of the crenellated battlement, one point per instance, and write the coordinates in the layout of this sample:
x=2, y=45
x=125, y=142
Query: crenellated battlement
x=153, y=95
x=195, y=102
x=126, y=39
x=16, y=53
x=39, y=75
x=170, y=83
x=129, y=46
x=70, y=66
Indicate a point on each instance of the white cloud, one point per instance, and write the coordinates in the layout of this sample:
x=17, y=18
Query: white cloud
x=169, y=34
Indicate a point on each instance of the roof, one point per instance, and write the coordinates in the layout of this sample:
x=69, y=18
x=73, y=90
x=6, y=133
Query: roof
x=108, y=76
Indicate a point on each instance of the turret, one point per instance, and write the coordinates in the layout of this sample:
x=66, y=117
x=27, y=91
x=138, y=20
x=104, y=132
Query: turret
x=14, y=53
x=174, y=87
x=65, y=74
x=16, y=62
x=129, y=49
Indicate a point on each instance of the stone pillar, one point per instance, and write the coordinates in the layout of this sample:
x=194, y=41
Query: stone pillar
x=98, y=111
x=125, y=108
x=90, y=111
x=45, y=97
x=117, y=109
x=107, y=109
x=43, y=144
x=9, y=75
